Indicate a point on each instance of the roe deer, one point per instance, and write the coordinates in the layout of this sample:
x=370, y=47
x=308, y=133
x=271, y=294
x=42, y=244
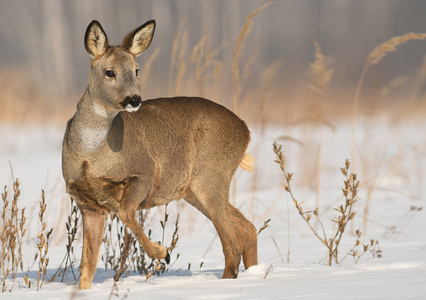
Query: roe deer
x=121, y=155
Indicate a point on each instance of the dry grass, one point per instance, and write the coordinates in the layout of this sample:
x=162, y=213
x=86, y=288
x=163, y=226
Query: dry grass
x=320, y=75
x=11, y=236
x=264, y=226
x=320, y=78
x=346, y=213
x=69, y=261
x=192, y=72
x=123, y=252
x=382, y=50
x=43, y=245
x=244, y=32
x=373, y=58
x=13, y=230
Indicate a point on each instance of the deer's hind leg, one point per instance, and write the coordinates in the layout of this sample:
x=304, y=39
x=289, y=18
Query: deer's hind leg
x=248, y=236
x=237, y=235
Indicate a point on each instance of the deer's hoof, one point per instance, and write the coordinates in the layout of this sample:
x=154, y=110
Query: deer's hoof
x=165, y=260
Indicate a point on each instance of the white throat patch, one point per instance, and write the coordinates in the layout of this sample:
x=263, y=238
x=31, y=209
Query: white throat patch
x=100, y=110
x=92, y=138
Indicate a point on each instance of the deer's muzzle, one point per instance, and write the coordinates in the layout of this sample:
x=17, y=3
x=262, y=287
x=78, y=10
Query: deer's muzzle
x=131, y=103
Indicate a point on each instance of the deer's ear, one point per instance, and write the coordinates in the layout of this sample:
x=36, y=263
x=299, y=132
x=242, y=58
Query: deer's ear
x=95, y=39
x=139, y=39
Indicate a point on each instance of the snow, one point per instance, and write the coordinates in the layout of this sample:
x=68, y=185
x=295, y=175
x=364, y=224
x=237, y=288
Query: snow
x=390, y=163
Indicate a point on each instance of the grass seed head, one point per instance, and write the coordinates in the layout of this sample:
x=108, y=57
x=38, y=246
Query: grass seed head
x=382, y=50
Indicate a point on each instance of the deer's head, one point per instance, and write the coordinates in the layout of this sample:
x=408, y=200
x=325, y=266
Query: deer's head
x=113, y=80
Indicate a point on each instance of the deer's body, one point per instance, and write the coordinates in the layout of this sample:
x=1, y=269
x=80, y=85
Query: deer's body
x=123, y=155
x=167, y=143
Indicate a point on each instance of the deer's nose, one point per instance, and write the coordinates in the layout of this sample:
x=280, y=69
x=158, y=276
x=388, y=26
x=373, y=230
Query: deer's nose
x=131, y=103
x=135, y=101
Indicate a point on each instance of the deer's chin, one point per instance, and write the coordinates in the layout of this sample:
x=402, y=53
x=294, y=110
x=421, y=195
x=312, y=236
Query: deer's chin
x=131, y=109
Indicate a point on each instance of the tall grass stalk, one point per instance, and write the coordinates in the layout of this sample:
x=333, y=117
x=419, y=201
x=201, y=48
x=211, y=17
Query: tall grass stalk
x=320, y=78
x=375, y=57
x=72, y=226
x=244, y=32
x=320, y=74
x=43, y=244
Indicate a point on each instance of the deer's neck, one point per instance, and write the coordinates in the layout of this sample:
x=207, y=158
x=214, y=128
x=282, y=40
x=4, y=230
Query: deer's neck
x=90, y=125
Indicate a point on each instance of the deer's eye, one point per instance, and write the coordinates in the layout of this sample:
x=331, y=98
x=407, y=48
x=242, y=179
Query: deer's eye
x=109, y=73
x=137, y=72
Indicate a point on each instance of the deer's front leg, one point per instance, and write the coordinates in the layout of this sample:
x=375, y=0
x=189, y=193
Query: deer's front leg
x=93, y=232
x=134, y=195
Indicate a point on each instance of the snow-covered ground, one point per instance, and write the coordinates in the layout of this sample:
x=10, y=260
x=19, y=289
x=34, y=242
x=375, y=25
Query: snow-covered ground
x=390, y=161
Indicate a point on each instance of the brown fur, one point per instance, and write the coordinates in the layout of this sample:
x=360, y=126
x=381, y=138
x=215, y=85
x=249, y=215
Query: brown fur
x=170, y=148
